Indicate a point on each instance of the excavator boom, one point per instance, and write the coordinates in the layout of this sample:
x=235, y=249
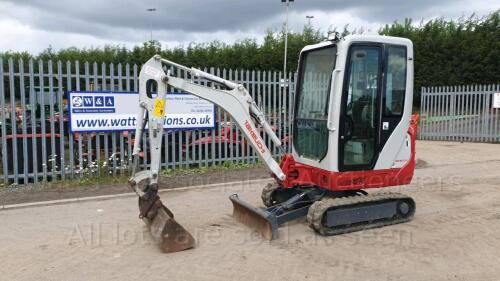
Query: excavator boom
x=234, y=99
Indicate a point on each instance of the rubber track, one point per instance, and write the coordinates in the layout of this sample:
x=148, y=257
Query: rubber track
x=318, y=209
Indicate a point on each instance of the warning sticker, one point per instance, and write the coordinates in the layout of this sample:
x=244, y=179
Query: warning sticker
x=159, y=109
x=152, y=72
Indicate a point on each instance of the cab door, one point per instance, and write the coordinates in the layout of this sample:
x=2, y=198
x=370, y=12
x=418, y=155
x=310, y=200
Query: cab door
x=373, y=98
x=394, y=91
x=359, y=116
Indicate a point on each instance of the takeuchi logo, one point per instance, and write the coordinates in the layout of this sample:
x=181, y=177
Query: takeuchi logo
x=258, y=143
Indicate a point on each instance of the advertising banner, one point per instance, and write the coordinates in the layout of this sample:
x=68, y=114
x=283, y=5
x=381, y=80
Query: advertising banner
x=117, y=111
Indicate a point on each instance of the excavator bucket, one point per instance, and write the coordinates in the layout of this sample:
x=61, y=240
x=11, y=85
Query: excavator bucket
x=258, y=219
x=171, y=236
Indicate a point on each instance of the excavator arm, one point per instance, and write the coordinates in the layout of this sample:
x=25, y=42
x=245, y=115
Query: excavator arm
x=154, y=79
x=235, y=100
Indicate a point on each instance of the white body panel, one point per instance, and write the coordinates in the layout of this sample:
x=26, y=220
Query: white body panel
x=403, y=155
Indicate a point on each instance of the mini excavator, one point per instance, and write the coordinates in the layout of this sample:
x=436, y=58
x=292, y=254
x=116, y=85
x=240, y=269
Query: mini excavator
x=352, y=131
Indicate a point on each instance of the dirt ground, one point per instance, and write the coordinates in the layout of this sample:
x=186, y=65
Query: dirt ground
x=455, y=234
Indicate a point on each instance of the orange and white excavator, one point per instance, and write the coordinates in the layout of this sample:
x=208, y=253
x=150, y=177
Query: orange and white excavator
x=352, y=131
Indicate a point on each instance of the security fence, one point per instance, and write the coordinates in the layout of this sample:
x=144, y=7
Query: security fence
x=36, y=144
x=460, y=113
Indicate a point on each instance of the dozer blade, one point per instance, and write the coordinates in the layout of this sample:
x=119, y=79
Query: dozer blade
x=258, y=219
x=171, y=236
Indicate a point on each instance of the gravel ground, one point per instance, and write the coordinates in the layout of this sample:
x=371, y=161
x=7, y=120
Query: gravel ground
x=454, y=235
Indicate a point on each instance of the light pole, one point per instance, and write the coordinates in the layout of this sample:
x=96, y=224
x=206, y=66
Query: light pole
x=286, y=34
x=309, y=18
x=151, y=21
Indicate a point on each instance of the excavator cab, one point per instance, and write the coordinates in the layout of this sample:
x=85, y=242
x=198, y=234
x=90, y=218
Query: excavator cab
x=352, y=131
x=353, y=104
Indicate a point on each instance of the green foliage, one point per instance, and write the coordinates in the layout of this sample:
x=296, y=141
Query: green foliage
x=247, y=53
x=243, y=54
x=227, y=165
x=466, y=51
x=88, y=180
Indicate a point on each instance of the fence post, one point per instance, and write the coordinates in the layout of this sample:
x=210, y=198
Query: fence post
x=13, y=118
x=60, y=105
x=219, y=128
x=70, y=134
x=4, y=127
x=52, y=156
x=23, y=126
x=32, y=99
x=453, y=113
x=497, y=121
x=122, y=140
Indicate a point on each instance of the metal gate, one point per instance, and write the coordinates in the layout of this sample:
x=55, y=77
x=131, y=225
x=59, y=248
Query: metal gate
x=460, y=113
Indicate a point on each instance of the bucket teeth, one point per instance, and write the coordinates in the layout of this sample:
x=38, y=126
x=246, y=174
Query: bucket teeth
x=171, y=236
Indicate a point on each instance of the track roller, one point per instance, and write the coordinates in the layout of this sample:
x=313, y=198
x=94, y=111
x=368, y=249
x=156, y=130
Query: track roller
x=274, y=194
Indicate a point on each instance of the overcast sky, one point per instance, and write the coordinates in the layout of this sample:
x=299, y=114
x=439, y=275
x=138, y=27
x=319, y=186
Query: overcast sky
x=33, y=25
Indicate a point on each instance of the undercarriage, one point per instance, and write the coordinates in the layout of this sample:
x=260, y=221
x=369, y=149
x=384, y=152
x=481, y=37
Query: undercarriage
x=327, y=212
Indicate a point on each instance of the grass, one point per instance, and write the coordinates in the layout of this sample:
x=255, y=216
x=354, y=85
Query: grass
x=227, y=165
x=2, y=183
x=73, y=183
x=96, y=180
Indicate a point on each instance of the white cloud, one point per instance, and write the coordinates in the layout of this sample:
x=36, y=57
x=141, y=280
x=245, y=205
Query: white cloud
x=17, y=36
x=31, y=25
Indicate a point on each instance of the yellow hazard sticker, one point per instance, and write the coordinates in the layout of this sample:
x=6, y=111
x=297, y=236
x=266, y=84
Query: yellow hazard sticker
x=159, y=109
